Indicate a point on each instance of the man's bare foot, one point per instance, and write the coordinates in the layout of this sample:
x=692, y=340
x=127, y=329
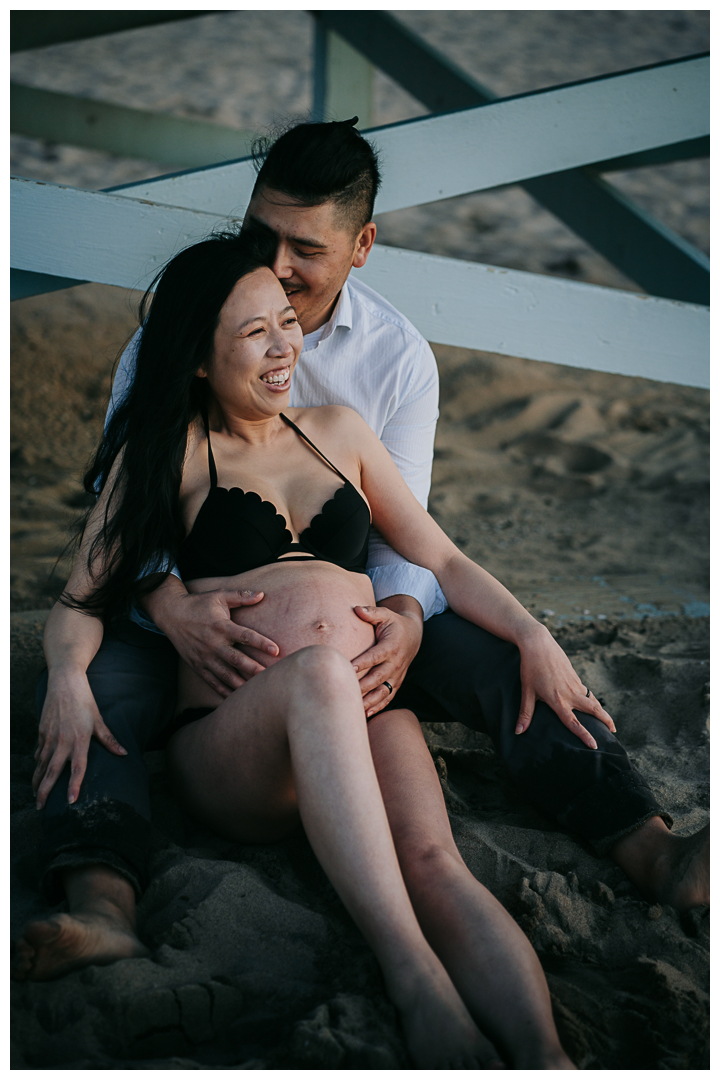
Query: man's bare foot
x=684, y=872
x=51, y=947
x=667, y=869
x=439, y=1030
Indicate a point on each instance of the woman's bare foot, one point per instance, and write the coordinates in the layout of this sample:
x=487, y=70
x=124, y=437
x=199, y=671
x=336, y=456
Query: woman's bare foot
x=553, y=1058
x=51, y=947
x=439, y=1030
x=667, y=869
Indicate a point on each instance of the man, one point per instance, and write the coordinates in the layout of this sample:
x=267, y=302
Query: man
x=315, y=190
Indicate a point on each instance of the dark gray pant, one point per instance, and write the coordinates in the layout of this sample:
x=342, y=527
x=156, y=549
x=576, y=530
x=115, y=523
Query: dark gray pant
x=465, y=674
x=461, y=673
x=133, y=678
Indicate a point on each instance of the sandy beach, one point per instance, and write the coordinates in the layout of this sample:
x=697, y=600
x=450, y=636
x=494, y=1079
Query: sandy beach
x=585, y=493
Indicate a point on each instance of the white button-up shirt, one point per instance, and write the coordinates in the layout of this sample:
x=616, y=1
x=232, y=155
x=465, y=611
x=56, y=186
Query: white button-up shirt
x=369, y=357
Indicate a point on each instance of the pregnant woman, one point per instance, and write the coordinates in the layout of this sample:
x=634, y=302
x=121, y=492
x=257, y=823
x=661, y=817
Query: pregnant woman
x=204, y=463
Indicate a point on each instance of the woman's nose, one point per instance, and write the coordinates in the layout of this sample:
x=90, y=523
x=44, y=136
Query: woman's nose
x=280, y=345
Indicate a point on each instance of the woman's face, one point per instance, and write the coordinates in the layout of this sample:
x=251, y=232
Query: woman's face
x=256, y=346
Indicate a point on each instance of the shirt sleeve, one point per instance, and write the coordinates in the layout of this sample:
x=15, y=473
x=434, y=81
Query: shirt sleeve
x=409, y=437
x=124, y=375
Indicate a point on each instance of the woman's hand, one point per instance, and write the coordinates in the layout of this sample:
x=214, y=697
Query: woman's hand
x=69, y=720
x=547, y=675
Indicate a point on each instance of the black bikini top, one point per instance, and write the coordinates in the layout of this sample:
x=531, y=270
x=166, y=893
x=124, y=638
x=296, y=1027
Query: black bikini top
x=236, y=530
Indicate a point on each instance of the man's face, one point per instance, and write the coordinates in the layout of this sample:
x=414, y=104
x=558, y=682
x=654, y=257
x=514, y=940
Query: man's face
x=316, y=251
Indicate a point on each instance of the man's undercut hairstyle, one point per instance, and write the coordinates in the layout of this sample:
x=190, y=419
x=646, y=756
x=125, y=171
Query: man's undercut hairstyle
x=319, y=163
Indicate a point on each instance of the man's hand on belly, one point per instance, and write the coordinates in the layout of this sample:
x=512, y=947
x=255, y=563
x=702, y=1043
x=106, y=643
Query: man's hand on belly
x=201, y=629
x=398, y=633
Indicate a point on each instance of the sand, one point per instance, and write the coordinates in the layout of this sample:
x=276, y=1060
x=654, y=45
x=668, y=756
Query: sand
x=585, y=493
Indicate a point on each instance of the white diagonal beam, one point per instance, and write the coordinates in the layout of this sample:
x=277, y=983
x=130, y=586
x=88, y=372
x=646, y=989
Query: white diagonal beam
x=123, y=241
x=91, y=235
x=469, y=150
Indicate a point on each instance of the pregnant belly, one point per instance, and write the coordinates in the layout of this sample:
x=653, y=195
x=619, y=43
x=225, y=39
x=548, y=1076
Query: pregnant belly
x=305, y=603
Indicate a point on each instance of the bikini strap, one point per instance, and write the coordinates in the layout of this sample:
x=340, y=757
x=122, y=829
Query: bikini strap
x=304, y=437
x=211, y=459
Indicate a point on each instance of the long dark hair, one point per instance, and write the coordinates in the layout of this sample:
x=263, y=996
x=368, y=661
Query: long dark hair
x=142, y=527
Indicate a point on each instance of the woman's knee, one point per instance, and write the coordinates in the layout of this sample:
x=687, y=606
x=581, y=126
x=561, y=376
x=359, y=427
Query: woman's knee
x=321, y=669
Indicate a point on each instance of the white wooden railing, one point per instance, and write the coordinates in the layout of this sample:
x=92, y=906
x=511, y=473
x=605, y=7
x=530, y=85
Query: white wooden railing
x=122, y=237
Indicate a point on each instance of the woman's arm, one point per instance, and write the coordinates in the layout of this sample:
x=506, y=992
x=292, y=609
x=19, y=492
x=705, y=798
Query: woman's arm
x=70, y=716
x=546, y=672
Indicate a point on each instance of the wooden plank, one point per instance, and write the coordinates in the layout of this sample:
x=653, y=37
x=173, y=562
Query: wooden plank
x=552, y=131
x=503, y=143
x=453, y=302
x=349, y=88
x=33, y=30
x=420, y=69
x=687, y=150
x=213, y=189
x=24, y=283
x=98, y=125
x=649, y=252
x=439, y=84
x=122, y=241
x=95, y=236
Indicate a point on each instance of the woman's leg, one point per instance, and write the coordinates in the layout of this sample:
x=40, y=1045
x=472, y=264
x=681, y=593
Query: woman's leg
x=486, y=954
x=294, y=741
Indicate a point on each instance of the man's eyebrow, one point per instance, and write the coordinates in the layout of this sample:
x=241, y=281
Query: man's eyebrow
x=260, y=318
x=303, y=241
x=306, y=242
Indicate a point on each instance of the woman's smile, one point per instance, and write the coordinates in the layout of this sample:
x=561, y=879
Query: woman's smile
x=258, y=339
x=277, y=380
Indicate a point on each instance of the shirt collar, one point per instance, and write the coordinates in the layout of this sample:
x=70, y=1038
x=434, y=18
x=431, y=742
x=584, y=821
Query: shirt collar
x=342, y=315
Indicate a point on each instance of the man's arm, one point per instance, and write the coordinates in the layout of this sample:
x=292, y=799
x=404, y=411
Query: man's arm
x=409, y=438
x=406, y=593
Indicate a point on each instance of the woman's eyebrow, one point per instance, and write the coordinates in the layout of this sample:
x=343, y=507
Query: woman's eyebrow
x=261, y=318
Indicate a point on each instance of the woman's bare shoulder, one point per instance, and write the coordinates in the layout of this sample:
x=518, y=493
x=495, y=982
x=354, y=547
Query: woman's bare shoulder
x=328, y=419
x=195, y=463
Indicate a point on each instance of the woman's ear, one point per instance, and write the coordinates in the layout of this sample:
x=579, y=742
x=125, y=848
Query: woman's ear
x=201, y=372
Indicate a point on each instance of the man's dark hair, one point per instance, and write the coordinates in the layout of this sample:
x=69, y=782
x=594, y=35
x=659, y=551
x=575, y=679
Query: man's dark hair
x=318, y=163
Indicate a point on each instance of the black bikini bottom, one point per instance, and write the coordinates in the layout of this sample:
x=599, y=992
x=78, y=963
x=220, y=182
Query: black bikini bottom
x=187, y=716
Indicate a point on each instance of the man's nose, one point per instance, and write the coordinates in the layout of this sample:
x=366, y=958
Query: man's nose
x=282, y=265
